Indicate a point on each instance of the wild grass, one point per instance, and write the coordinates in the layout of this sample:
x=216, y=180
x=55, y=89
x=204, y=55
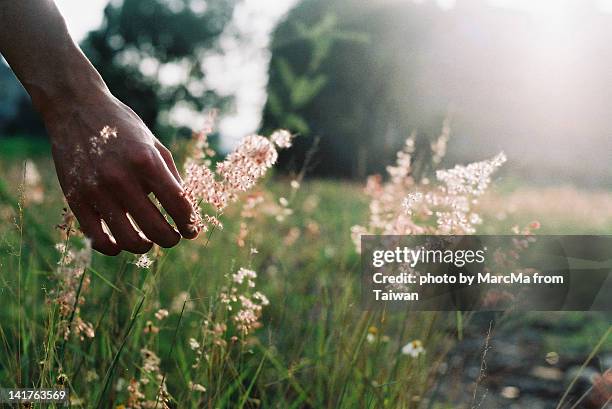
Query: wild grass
x=315, y=348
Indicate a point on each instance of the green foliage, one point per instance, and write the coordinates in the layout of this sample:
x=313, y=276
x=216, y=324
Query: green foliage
x=136, y=33
x=295, y=85
x=336, y=72
x=16, y=148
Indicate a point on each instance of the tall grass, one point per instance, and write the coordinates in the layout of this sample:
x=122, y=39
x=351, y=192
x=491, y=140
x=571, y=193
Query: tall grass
x=314, y=347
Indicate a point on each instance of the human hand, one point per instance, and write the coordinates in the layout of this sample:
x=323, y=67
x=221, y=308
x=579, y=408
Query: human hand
x=105, y=175
x=107, y=162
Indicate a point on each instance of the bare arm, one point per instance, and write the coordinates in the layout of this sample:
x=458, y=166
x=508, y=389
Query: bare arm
x=107, y=160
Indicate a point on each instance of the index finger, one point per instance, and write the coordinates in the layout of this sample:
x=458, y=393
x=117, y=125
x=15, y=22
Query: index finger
x=172, y=197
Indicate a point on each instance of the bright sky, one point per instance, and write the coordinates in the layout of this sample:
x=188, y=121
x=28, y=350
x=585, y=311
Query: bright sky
x=242, y=70
x=82, y=16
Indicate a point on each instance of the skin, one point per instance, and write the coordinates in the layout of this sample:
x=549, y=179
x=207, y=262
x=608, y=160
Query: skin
x=103, y=179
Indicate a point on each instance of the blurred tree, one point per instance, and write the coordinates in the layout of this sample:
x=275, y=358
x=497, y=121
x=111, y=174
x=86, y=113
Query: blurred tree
x=16, y=114
x=298, y=87
x=334, y=74
x=9, y=91
x=150, y=53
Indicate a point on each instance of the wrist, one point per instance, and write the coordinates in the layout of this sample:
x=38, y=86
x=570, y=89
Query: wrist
x=74, y=82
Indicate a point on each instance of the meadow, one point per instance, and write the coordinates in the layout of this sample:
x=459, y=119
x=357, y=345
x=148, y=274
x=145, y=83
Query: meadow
x=130, y=332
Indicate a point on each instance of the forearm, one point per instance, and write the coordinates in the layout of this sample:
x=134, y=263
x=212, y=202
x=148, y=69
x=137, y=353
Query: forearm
x=36, y=43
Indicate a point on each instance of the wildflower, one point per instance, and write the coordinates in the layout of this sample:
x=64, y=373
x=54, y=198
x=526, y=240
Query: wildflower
x=150, y=373
x=201, y=148
x=161, y=314
x=182, y=298
x=263, y=300
x=295, y=185
x=196, y=387
x=292, y=236
x=471, y=179
x=193, y=344
x=313, y=228
x=403, y=168
x=413, y=348
x=552, y=358
x=150, y=361
x=245, y=307
x=135, y=396
x=82, y=329
x=67, y=225
x=61, y=379
x=213, y=221
x=91, y=376
x=238, y=173
x=405, y=206
x=67, y=255
x=251, y=202
x=247, y=316
x=373, y=335
x=251, y=159
x=282, y=138
x=254, y=250
x=245, y=274
x=311, y=203
x=410, y=201
x=242, y=234
x=72, y=288
x=143, y=261
x=248, y=211
x=438, y=147
x=510, y=392
x=150, y=328
x=33, y=191
x=282, y=213
x=121, y=384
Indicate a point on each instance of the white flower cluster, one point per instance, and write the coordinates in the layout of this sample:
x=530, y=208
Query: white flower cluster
x=73, y=283
x=403, y=205
x=143, y=261
x=246, y=307
x=149, y=371
x=238, y=173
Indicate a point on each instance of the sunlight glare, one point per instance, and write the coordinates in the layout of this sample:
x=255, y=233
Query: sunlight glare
x=605, y=6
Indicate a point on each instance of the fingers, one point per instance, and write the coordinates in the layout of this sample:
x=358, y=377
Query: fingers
x=91, y=226
x=171, y=195
x=168, y=160
x=119, y=191
x=149, y=219
x=121, y=227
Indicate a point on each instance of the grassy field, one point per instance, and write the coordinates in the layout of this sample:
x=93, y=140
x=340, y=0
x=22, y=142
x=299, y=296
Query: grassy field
x=313, y=347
